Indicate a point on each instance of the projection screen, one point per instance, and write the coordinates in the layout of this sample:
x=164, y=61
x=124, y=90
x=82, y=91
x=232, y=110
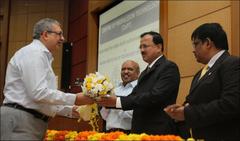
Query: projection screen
x=120, y=28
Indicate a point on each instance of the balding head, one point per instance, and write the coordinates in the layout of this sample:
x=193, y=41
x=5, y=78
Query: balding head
x=129, y=71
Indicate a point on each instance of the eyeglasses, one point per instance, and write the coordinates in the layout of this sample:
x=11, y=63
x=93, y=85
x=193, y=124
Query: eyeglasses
x=145, y=46
x=58, y=33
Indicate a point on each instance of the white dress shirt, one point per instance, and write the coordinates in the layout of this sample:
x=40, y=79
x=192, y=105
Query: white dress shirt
x=214, y=58
x=116, y=118
x=31, y=82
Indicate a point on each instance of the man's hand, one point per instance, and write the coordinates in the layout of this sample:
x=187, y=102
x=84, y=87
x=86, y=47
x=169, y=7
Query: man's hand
x=83, y=100
x=75, y=114
x=107, y=101
x=175, y=111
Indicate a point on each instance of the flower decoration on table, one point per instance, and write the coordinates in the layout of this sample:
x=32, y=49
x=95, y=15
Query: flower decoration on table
x=54, y=135
x=95, y=85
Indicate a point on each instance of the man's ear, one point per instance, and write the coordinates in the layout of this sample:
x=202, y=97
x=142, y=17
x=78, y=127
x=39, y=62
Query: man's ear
x=44, y=35
x=160, y=47
x=209, y=42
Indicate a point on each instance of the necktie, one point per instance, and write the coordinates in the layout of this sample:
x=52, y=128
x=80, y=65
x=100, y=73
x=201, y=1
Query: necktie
x=204, y=70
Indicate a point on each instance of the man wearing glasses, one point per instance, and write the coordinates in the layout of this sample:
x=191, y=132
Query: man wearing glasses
x=212, y=108
x=157, y=87
x=31, y=95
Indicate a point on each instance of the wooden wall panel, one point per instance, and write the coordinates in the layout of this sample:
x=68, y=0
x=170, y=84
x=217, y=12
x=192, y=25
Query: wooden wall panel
x=180, y=46
x=18, y=28
x=77, y=8
x=4, y=24
x=36, y=6
x=235, y=22
x=19, y=7
x=84, y=25
x=74, y=32
x=184, y=89
x=55, y=6
x=80, y=47
x=78, y=28
x=184, y=11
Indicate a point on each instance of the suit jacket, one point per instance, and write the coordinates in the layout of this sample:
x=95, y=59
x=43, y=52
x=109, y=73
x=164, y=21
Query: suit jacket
x=156, y=89
x=214, y=110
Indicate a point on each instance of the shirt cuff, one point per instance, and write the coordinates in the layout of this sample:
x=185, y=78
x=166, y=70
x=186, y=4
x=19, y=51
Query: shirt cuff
x=70, y=98
x=118, y=103
x=65, y=111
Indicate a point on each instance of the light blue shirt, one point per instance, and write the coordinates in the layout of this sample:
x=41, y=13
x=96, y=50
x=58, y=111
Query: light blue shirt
x=31, y=82
x=116, y=118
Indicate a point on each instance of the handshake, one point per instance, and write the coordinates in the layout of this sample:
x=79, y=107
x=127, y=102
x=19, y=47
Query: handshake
x=89, y=109
x=106, y=101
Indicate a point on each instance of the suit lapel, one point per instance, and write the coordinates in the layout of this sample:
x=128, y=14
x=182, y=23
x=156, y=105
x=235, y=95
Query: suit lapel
x=145, y=73
x=142, y=75
x=196, y=82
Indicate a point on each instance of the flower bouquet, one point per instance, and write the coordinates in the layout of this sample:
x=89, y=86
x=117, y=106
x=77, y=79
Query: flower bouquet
x=95, y=85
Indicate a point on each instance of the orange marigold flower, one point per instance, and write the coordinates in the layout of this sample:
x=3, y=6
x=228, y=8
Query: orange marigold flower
x=84, y=135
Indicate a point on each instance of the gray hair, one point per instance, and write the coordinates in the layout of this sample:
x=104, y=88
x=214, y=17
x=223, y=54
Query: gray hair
x=43, y=25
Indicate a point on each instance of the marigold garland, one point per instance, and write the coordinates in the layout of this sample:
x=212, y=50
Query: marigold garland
x=54, y=135
x=84, y=135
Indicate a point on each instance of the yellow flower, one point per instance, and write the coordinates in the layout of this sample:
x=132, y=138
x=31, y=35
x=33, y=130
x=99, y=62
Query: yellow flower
x=70, y=136
x=100, y=81
x=130, y=137
x=88, y=79
x=95, y=137
x=89, y=86
x=94, y=85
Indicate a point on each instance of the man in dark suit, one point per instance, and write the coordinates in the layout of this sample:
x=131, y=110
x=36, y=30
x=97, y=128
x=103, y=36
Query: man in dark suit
x=157, y=87
x=212, y=108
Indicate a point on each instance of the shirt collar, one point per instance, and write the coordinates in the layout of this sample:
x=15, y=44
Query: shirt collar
x=150, y=65
x=132, y=84
x=43, y=48
x=214, y=58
